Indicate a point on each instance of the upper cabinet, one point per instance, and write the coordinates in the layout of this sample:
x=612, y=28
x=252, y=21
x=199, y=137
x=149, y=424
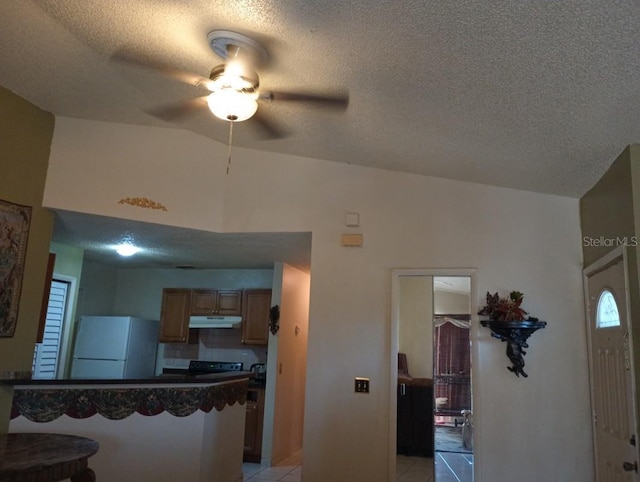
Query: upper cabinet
x=216, y=302
x=174, y=315
x=179, y=304
x=255, y=317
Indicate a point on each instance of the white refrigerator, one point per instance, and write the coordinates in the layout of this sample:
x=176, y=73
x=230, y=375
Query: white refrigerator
x=114, y=347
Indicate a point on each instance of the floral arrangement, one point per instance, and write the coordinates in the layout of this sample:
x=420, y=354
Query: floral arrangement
x=505, y=309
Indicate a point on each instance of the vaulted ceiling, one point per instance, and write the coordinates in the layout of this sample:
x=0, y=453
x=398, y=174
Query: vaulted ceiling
x=538, y=96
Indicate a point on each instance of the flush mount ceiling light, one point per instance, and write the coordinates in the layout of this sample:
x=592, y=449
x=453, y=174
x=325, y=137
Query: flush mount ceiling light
x=126, y=248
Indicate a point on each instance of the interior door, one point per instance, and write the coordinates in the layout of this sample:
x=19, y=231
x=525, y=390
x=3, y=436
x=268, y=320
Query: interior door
x=47, y=352
x=611, y=370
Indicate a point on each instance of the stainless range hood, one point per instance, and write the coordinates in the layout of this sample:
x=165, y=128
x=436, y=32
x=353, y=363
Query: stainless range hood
x=214, y=321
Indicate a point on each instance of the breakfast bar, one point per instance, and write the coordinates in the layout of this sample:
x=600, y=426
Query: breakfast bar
x=163, y=429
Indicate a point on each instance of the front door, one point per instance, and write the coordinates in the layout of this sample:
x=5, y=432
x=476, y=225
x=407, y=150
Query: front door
x=611, y=369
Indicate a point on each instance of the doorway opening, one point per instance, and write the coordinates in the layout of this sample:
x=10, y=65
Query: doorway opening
x=431, y=390
x=46, y=356
x=50, y=357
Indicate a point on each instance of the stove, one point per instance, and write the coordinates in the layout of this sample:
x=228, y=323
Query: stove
x=201, y=367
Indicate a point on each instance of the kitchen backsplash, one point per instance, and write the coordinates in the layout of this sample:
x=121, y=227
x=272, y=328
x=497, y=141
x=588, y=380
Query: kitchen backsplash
x=215, y=345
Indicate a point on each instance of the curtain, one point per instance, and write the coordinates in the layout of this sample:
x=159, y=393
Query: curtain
x=452, y=362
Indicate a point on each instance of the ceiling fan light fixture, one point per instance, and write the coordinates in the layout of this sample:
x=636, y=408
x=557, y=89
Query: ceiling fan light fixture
x=231, y=105
x=226, y=44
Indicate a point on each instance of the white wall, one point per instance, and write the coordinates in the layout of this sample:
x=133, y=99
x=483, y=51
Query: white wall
x=530, y=429
x=450, y=303
x=286, y=366
x=291, y=366
x=98, y=287
x=201, y=447
x=415, y=334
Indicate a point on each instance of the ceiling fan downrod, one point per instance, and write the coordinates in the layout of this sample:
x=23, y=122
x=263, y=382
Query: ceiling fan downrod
x=230, y=142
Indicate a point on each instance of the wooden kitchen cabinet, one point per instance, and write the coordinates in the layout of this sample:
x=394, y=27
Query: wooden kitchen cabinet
x=216, y=302
x=179, y=304
x=255, y=316
x=174, y=315
x=253, y=425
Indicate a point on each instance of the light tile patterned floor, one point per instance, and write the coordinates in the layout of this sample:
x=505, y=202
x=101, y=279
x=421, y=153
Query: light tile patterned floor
x=288, y=471
x=414, y=469
x=454, y=467
x=449, y=467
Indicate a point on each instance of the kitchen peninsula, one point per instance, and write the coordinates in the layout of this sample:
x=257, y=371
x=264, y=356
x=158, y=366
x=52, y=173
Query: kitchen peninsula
x=164, y=429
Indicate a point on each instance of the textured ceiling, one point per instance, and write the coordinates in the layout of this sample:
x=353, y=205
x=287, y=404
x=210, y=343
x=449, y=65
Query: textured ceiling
x=168, y=247
x=535, y=95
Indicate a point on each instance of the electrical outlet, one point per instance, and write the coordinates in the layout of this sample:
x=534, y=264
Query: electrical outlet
x=362, y=385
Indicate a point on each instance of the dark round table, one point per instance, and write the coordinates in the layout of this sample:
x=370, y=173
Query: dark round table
x=45, y=457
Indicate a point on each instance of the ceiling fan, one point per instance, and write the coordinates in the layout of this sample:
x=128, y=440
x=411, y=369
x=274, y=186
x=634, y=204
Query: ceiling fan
x=234, y=93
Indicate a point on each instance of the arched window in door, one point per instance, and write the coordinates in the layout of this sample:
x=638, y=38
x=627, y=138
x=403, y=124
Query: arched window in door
x=607, y=314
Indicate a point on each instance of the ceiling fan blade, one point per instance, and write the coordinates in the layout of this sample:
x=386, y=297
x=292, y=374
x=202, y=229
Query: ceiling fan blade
x=333, y=99
x=267, y=128
x=176, y=111
x=128, y=57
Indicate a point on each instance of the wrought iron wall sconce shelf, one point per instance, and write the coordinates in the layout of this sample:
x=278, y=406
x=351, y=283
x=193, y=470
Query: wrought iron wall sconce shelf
x=515, y=333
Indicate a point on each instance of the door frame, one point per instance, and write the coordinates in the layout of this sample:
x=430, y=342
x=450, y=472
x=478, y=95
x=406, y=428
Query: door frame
x=396, y=273
x=64, y=356
x=600, y=265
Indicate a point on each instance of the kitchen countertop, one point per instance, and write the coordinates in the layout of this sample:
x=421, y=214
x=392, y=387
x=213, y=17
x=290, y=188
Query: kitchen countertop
x=165, y=378
x=179, y=396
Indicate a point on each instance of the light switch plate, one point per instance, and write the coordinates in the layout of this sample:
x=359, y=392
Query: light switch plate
x=362, y=385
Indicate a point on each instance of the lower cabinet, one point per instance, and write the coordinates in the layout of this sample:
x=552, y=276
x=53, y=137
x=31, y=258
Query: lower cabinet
x=253, y=425
x=415, y=428
x=404, y=435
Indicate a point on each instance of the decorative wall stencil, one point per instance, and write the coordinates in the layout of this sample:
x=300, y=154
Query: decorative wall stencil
x=14, y=233
x=142, y=202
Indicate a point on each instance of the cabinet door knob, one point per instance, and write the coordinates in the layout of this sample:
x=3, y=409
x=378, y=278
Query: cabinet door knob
x=630, y=467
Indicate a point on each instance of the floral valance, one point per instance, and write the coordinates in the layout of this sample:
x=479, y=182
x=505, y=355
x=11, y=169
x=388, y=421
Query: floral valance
x=458, y=321
x=45, y=405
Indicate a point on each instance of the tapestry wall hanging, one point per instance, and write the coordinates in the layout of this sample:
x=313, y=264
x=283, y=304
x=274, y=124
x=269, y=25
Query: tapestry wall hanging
x=14, y=233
